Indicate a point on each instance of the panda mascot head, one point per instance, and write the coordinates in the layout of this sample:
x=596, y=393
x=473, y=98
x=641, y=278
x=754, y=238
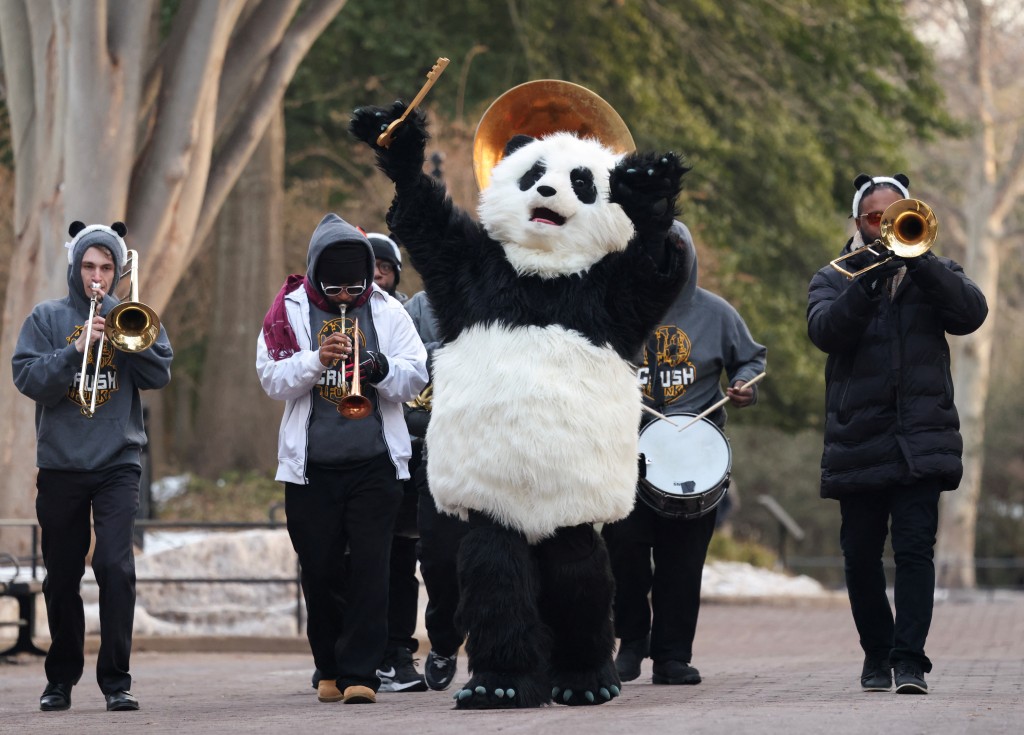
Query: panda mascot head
x=547, y=204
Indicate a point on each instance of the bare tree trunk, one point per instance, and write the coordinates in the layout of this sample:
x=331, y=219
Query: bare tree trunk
x=990, y=196
x=236, y=425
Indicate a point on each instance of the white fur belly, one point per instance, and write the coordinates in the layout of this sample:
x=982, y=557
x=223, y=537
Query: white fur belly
x=534, y=426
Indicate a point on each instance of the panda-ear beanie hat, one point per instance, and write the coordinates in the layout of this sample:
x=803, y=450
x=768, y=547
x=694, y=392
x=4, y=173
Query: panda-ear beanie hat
x=863, y=182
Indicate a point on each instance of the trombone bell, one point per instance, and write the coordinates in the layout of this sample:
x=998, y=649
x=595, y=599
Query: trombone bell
x=908, y=230
x=132, y=326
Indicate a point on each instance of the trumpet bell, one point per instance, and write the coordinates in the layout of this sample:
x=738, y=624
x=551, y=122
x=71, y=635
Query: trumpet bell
x=355, y=407
x=132, y=326
x=539, y=108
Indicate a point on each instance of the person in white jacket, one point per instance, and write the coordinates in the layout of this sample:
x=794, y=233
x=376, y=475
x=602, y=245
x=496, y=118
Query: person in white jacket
x=342, y=476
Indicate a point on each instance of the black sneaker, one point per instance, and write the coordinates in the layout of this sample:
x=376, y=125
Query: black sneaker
x=631, y=654
x=397, y=672
x=876, y=676
x=439, y=671
x=910, y=678
x=675, y=672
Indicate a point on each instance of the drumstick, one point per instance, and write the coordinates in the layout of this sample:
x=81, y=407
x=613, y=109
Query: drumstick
x=661, y=416
x=721, y=403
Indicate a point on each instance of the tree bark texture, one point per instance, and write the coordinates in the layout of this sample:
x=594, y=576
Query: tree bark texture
x=236, y=424
x=993, y=186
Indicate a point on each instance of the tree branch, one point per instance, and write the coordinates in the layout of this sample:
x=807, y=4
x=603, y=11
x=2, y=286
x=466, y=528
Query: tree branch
x=248, y=51
x=245, y=135
x=190, y=70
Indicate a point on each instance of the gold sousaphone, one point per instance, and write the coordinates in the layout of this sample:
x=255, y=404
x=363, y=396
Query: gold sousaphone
x=539, y=108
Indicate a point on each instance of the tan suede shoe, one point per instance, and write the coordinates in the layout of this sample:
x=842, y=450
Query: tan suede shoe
x=327, y=691
x=358, y=695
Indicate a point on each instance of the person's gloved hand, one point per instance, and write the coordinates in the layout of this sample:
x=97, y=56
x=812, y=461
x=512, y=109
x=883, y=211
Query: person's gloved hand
x=923, y=261
x=874, y=280
x=372, y=369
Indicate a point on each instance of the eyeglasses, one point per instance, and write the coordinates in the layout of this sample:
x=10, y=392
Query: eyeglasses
x=871, y=218
x=350, y=290
x=385, y=267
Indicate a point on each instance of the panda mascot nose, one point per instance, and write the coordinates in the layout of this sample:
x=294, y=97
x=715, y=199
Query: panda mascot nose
x=546, y=191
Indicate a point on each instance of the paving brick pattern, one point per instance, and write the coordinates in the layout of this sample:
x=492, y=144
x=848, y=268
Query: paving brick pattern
x=772, y=666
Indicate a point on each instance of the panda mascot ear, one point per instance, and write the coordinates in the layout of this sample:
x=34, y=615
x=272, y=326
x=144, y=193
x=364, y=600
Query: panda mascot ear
x=903, y=179
x=119, y=228
x=75, y=227
x=860, y=181
x=517, y=142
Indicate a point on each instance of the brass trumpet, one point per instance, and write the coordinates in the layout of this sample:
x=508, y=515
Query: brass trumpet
x=131, y=326
x=353, y=404
x=908, y=230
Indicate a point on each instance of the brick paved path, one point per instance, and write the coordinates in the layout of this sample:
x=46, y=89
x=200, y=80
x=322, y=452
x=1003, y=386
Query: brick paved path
x=768, y=668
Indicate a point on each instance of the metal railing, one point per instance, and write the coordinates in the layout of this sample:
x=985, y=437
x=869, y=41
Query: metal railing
x=35, y=562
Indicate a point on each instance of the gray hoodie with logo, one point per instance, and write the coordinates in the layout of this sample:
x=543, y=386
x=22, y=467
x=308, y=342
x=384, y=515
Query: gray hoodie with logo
x=46, y=368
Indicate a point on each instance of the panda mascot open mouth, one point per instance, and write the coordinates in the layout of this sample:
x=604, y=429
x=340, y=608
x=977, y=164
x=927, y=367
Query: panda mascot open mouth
x=545, y=216
x=541, y=305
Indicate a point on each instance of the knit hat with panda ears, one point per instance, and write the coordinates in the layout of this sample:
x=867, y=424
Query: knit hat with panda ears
x=84, y=237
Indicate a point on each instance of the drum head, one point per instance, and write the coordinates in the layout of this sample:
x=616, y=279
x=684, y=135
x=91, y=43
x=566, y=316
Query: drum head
x=685, y=462
x=687, y=469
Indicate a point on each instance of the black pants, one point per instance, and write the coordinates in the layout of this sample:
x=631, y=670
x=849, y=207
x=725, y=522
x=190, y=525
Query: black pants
x=440, y=537
x=914, y=516
x=354, y=507
x=63, y=505
x=679, y=548
x=403, y=595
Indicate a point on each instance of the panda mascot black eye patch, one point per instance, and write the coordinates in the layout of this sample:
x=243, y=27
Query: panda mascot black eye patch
x=541, y=304
x=583, y=184
x=532, y=176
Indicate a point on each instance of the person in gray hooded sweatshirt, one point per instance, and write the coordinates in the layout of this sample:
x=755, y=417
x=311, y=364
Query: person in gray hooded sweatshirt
x=87, y=463
x=342, y=476
x=699, y=337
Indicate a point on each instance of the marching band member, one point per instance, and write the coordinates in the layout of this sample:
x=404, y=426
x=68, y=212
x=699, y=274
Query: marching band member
x=892, y=440
x=86, y=464
x=700, y=337
x=343, y=477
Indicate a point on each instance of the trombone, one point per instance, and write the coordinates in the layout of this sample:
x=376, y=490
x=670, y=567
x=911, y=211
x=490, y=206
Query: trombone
x=353, y=404
x=908, y=230
x=131, y=326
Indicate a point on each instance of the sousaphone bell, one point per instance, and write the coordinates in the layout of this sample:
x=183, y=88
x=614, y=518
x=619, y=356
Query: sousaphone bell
x=540, y=108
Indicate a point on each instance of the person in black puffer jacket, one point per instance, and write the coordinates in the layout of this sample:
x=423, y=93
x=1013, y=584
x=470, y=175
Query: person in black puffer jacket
x=892, y=433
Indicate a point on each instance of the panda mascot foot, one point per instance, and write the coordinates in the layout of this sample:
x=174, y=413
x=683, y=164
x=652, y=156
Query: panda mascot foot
x=487, y=690
x=583, y=688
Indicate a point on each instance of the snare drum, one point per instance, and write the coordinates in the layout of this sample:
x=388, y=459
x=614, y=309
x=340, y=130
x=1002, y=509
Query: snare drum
x=687, y=472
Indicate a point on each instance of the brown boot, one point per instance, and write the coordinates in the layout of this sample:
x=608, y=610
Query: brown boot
x=356, y=694
x=327, y=691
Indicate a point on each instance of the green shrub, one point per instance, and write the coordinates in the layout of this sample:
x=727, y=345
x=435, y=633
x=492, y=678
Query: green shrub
x=234, y=497
x=726, y=548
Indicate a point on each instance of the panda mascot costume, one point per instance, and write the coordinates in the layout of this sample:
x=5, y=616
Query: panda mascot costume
x=533, y=433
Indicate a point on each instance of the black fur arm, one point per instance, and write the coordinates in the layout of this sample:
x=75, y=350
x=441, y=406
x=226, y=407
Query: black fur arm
x=402, y=161
x=646, y=186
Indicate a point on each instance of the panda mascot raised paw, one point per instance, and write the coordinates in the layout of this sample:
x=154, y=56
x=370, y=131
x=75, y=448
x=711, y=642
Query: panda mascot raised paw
x=533, y=433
